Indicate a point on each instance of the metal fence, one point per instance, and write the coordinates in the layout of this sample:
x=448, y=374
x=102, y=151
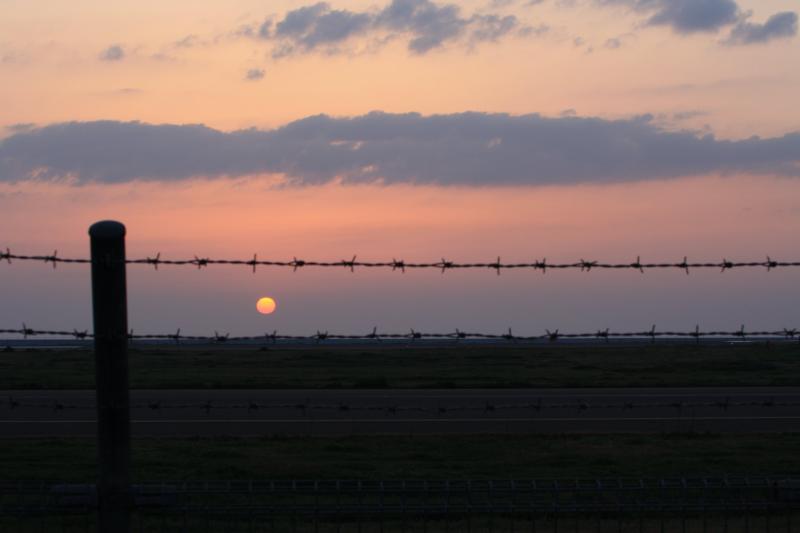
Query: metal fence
x=114, y=504
x=400, y=265
x=606, y=335
x=686, y=504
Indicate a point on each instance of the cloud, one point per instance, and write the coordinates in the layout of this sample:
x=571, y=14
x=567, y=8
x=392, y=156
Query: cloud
x=254, y=74
x=20, y=127
x=780, y=25
x=308, y=27
x=113, y=53
x=455, y=149
x=695, y=16
x=188, y=41
x=428, y=24
x=684, y=16
x=424, y=24
x=692, y=16
x=688, y=115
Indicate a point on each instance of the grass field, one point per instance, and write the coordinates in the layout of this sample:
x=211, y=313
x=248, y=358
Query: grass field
x=419, y=457
x=414, y=458
x=425, y=366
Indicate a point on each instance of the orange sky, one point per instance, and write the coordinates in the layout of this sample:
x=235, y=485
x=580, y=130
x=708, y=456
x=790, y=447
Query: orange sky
x=52, y=73
x=704, y=218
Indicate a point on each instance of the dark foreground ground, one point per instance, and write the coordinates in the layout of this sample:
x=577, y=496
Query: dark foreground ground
x=378, y=366
x=600, y=487
x=415, y=457
x=371, y=370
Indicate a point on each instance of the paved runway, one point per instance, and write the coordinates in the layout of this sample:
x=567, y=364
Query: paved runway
x=343, y=412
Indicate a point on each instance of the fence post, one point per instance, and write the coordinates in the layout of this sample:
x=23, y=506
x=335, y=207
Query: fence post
x=109, y=302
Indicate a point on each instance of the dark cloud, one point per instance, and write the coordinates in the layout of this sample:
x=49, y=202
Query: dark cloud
x=493, y=27
x=428, y=23
x=780, y=25
x=463, y=149
x=113, y=53
x=307, y=27
x=425, y=24
x=684, y=16
x=694, y=16
x=254, y=74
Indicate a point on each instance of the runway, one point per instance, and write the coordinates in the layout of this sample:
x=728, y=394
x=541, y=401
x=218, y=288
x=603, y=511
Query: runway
x=405, y=412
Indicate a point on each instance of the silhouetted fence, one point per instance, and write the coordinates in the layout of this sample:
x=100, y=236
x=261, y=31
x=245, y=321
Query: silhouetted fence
x=699, y=504
x=309, y=506
x=443, y=265
x=389, y=407
x=320, y=336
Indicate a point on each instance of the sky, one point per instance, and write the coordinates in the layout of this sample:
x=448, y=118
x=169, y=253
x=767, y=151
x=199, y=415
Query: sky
x=408, y=129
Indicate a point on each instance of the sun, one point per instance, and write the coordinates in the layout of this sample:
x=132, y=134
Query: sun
x=265, y=305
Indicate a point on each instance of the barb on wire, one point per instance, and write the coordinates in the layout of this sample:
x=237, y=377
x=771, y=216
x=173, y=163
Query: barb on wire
x=443, y=265
x=478, y=405
x=413, y=335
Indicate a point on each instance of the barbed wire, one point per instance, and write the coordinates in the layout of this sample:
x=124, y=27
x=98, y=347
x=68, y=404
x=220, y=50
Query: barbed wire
x=412, y=335
x=486, y=407
x=401, y=265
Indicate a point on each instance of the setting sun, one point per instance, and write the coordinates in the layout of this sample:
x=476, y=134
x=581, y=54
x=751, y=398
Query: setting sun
x=265, y=305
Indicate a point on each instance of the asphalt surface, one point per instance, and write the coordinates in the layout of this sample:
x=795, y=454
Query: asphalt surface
x=344, y=412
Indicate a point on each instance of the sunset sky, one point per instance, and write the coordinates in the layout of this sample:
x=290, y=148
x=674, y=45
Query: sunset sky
x=408, y=129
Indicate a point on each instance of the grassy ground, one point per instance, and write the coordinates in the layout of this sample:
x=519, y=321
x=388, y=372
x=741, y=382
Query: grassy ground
x=447, y=366
x=419, y=457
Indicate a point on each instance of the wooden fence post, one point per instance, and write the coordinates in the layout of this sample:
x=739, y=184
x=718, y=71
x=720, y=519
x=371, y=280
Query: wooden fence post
x=110, y=308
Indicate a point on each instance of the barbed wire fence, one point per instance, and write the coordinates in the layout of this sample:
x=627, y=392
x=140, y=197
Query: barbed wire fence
x=55, y=405
x=400, y=265
x=729, y=503
x=115, y=495
x=320, y=336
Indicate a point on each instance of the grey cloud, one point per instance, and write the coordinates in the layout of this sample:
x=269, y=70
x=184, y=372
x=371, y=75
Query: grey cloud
x=113, y=53
x=684, y=16
x=694, y=16
x=429, y=24
x=254, y=74
x=425, y=24
x=691, y=16
x=265, y=30
x=187, y=42
x=780, y=25
x=457, y=149
x=300, y=20
x=493, y=27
